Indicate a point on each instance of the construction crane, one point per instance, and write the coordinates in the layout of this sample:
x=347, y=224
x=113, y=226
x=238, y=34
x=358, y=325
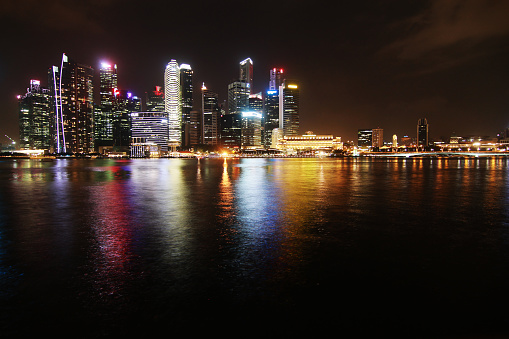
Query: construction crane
x=13, y=142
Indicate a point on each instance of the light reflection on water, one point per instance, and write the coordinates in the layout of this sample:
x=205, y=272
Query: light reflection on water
x=169, y=240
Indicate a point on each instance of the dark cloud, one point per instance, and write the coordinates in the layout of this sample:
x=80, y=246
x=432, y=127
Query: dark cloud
x=451, y=32
x=59, y=15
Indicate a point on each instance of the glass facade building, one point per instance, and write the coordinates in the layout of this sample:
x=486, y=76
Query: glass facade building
x=210, y=112
x=172, y=102
x=186, y=84
x=422, y=132
x=34, y=117
x=151, y=127
x=289, y=98
x=71, y=85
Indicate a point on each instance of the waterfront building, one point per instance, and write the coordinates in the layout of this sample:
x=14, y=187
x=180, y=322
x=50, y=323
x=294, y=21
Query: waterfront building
x=277, y=134
x=186, y=90
x=125, y=103
x=150, y=128
x=231, y=130
x=310, y=142
x=271, y=116
x=289, y=97
x=34, y=117
x=364, y=138
x=394, y=141
x=195, y=129
x=103, y=113
x=154, y=100
x=422, y=132
x=406, y=141
x=71, y=86
x=140, y=148
x=251, y=134
x=377, y=137
x=172, y=102
x=210, y=116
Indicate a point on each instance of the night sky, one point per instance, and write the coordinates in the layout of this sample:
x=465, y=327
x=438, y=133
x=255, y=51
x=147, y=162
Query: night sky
x=360, y=64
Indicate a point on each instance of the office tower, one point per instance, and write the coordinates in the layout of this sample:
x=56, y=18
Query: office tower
x=251, y=129
x=364, y=138
x=394, y=141
x=172, y=102
x=277, y=135
x=271, y=116
x=377, y=137
x=210, y=114
x=246, y=72
x=238, y=97
x=289, y=107
x=155, y=100
x=103, y=113
x=195, y=128
x=256, y=102
x=186, y=84
x=124, y=103
x=276, y=79
x=71, y=85
x=34, y=117
x=150, y=128
x=422, y=132
x=239, y=91
x=231, y=130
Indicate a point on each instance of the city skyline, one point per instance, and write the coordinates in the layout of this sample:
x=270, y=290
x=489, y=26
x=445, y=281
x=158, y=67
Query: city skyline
x=386, y=64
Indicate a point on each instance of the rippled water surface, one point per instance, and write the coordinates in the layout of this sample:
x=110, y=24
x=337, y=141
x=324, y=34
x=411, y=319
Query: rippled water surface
x=409, y=247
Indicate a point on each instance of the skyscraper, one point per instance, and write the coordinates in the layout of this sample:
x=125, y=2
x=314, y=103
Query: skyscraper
x=125, y=103
x=238, y=97
x=289, y=97
x=251, y=129
x=422, y=132
x=34, y=117
x=155, y=100
x=172, y=102
x=377, y=137
x=103, y=114
x=246, y=72
x=186, y=84
x=71, y=85
x=271, y=116
x=210, y=113
x=276, y=79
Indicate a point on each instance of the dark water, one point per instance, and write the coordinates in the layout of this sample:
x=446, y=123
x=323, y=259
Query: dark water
x=255, y=247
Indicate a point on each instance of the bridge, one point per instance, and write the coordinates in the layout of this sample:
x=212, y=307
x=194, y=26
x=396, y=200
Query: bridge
x=437, y=154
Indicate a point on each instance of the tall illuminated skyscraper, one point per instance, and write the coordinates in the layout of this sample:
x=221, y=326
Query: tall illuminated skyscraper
x=186, y=84
x=155, y=100
x=289, y=98
x=125, y=103
x=71, y=85
x=422, y=132
x=246, y=72
x=34, y=117
x=377, y=137
x=210, y=112
x=238, y=97
x=271, y=116
x=103, y=114
x=276, y=78
x=172, y=102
